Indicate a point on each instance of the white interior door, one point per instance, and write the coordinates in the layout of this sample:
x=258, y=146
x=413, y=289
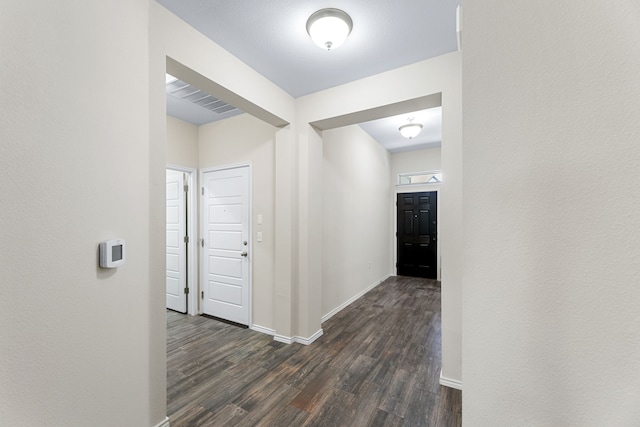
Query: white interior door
x=176, y=245
x=225, y=251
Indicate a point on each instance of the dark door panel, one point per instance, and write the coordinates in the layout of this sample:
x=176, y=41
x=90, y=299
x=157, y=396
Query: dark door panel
x=417, y=234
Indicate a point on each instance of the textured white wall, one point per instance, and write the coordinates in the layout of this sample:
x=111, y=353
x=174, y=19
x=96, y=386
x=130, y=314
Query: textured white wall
x=77, y=342
x=182, y=143
x=355, y=243
x=310, y=230
x=552, y=236
x=450, y=222
x=427, y=159
x=243, y=139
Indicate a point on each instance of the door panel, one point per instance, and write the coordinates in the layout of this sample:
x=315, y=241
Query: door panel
x=176, y=278
x=225, y=227
x=228, y=267
x=227, y=293
x=417, y=234
x=230, y=240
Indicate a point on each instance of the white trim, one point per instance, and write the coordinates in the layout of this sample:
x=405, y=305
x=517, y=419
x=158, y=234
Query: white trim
x=311, y=339
x=225, y=167
x=192, y=232
x=283, y=339
x=459, y=26
x=450, y=382
x=249, y=166
x=410, y=187
x=287, y=340
x=357, y=296
x=250, y=247
x=300, y=340
x=263, y=330
x=163, y=423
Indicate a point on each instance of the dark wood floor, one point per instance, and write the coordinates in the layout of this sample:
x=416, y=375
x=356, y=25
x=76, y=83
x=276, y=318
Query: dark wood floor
x=377, y=364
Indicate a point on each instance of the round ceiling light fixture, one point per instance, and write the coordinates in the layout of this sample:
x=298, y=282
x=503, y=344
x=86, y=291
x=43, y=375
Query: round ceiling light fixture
x=329, y=28
x=410, y=130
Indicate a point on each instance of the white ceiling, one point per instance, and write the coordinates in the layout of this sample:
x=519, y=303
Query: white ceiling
x=386, y=130
x=270, y=36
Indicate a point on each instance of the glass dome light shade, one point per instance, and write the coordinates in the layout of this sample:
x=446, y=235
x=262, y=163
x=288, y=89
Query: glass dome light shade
x=410, y=130
x=329, y=28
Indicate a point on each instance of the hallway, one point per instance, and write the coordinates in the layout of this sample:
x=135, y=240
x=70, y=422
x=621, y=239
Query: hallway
x=377, y=364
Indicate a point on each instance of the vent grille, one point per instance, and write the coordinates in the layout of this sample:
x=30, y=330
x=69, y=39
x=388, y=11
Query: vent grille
x=186, y=92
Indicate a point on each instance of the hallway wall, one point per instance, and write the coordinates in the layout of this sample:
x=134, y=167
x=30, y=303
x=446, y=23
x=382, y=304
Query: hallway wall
x=552, y=235
x=423, y=160
x=182, y=143
x=79, y=345
x=356, y=249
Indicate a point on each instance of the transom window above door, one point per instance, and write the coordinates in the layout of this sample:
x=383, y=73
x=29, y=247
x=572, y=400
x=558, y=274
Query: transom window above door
x=421, y=178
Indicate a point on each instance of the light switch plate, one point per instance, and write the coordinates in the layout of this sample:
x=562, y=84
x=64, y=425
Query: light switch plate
x=259, y=236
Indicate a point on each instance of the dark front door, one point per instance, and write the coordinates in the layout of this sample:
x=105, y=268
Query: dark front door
x=417, y=234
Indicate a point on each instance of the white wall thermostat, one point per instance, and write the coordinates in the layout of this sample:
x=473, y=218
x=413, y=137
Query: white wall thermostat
x=112, y=253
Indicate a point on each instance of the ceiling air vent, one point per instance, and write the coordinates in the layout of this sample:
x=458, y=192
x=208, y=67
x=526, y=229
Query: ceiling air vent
x=186, y=92
x=195, y=106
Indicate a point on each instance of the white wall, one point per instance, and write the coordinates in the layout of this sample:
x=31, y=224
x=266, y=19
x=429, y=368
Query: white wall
x=426, y=159
x=356, y=237
x=182, y=143
x=552, y=247
x=78, y=343
x=243, y=139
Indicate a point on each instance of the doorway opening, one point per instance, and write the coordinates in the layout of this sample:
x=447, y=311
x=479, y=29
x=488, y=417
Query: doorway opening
x=180, y=240
x=417, y=234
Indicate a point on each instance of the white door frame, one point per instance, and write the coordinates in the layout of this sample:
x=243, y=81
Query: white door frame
x=250, y=245
x=192, y=246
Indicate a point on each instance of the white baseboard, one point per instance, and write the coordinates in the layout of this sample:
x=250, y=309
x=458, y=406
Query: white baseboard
x=263, y=330
x=282, y=338
x=449, y=382
x=164, y=423
x=311, y=339
x=339, y=308
x=301, y=340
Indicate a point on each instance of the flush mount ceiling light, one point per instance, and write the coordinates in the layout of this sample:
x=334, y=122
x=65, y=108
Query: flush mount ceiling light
x=410, y=130
x=329, y=28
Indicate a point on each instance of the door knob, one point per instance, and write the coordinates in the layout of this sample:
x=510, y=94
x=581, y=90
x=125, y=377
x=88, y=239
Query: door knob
x=244, y=253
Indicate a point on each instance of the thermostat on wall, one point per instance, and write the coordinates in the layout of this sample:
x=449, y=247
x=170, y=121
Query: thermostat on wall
x=112, y=253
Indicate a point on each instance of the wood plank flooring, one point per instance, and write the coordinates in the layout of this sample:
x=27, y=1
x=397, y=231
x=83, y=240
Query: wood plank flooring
x=377, y=364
